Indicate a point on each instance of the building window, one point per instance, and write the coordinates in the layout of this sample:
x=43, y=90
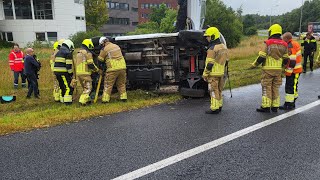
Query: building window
x=43, y=9
x=23, y=9
x=135, y=23
x=9, y=36
x=52, y=36
x=7, y=7
x=134, y=9
x=118, y=21
x=40, y=36
x=142, y=6
x=143, y=15
x=78, y=1
x=116, y=5
x=78, y=18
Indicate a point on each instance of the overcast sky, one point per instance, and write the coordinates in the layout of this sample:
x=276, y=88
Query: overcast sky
x=263, y=7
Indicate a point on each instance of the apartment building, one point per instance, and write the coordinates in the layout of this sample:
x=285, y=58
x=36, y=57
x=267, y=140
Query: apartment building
x=146, y=5
x=24, y=21
x=123, y=17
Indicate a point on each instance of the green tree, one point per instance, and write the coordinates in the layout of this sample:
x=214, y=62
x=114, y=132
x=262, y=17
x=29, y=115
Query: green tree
x=158, y=13
x=164, y=24
x=78, y=37
x=96, y=13
x=226, y=20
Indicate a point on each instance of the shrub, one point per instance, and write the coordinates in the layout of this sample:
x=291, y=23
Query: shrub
x=39, y=44
x=250, y=31
x=78, y=37
x=5, y=44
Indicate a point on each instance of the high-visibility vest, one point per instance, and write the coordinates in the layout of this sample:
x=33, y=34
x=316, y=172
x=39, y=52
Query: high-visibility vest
x=113, y=57
x=276, y=51
x=216, y=55
x=294, y=55
x=16, y=60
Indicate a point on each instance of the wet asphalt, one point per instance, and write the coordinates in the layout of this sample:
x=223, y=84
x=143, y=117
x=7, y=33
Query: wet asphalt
x=110, y=146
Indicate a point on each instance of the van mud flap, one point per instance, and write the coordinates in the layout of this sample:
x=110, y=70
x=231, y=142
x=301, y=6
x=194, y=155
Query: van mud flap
x=193, y=86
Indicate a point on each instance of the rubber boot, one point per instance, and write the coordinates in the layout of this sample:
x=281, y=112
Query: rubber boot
x=264, y=110
x=213, y=112
x=274, y=109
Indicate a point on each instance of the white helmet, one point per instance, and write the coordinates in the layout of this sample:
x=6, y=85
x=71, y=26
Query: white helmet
x=69, y=44
x=103, y=38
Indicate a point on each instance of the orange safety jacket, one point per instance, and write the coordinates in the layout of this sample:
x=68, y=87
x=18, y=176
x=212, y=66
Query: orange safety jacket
x=16, y=60
x=295, y=55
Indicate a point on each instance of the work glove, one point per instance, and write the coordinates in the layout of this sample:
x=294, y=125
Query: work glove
x=73, y=83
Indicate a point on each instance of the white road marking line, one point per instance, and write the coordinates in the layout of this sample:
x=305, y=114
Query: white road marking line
x=200, y=149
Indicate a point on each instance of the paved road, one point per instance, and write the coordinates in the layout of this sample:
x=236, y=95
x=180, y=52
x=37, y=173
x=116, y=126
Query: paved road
x=111, y=146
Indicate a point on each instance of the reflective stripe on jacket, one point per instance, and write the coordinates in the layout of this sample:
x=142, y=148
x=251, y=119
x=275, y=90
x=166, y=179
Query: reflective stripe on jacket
x=275, y=52
x=113, y=56
x=63, y=61
x=217, y=56
x=84, y=63
x=16, y=60
x=295, y=55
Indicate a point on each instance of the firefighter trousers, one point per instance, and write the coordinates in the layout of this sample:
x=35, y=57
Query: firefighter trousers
x=120, y=78
x=271, y=81
x=64, y=80
x=215, y=87
x=86, y=84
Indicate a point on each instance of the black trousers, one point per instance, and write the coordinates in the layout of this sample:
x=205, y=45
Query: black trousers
x=305, y=60
x=291, y=86
x=64, y=80
x=32, y=85
x=16, y=75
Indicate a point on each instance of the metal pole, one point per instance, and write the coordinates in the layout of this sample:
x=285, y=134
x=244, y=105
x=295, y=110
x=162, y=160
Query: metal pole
x=300, y=18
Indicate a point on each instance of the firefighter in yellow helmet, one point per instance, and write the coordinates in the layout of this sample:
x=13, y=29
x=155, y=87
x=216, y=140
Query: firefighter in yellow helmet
x=273, y=57
x=217, y=55
x=84, y=67
x=63, y=69
x=116, y=69
x=56, y=89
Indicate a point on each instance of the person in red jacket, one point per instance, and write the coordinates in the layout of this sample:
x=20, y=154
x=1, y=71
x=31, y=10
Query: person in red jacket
x=16, y=65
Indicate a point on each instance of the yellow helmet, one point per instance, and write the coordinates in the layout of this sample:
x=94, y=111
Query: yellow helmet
x=55, y=45
x=213, y=32
x=88, y=43
x=275, y=29
x=60, y=42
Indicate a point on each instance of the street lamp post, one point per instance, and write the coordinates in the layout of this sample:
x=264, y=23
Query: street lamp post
x=300, y=18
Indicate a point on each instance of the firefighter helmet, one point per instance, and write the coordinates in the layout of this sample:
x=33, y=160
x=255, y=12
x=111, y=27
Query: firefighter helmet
x=275, y=29
x=102, y=39
x=69, y=44
x=213, y=32
x=88, y=43
x=60, y=42
x=55, y=45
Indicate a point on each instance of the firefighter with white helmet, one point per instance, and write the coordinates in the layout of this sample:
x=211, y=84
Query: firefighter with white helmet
x=56, y=89
x=116, y=69
x=217, y=55
x=273, y=57
x=84, y=68
x=63, y=69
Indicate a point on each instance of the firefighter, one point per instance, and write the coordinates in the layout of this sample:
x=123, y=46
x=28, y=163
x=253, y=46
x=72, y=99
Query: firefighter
x=116, y=69
x=56, y=89
x=84, y=68
x=292, y=74
x=310, y=47
x=63, y=69
x=273, y=57
x=217, y=56
x=16, y=65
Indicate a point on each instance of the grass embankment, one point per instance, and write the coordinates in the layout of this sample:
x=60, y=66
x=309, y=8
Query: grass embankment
x=26, y=114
